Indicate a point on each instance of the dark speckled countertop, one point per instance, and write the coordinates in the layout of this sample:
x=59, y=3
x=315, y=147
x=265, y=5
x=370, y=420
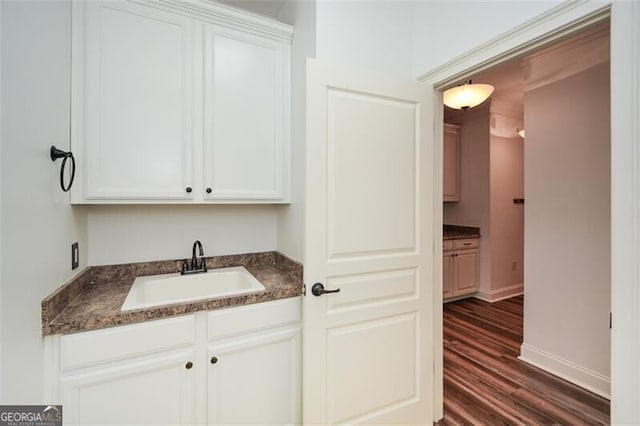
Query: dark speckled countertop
x=456, y=232
x=92, y=300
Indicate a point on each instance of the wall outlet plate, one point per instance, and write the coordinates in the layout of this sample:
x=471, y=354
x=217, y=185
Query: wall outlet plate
x=75, y=255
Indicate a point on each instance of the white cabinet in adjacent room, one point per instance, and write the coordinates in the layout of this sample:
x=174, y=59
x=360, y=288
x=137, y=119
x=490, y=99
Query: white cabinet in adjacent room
x=447, y=275
x=465, y=267
x=177, y=104
x=461, y=267
x=451, y=173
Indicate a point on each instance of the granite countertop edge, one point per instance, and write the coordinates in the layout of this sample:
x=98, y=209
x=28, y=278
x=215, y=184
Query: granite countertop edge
x=458, y=232
x=93, y=298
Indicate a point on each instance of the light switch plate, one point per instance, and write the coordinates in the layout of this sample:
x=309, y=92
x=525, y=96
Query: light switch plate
x=75, y=255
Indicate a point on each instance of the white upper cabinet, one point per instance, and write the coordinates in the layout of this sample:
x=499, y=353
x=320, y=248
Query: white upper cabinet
x=134, y=112
x=177, y=102
x=245, y=121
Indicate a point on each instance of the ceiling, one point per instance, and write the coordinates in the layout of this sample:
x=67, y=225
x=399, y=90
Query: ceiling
x=269, y=8
x=508, y=80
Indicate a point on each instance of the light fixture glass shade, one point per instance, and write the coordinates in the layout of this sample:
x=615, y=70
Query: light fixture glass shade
x=521, y=133
x=467, y=96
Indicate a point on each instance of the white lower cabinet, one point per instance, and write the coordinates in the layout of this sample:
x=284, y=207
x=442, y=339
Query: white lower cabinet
x=255, y=375
x=447, y=275
x=461, y=266
x=236, y=365
x=157, y=390
x=260, y=372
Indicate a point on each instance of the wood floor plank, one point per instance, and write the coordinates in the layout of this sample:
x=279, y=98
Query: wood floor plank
x=485, y=383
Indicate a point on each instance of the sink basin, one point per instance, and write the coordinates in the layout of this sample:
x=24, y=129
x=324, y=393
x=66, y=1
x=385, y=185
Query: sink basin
x=168, y=289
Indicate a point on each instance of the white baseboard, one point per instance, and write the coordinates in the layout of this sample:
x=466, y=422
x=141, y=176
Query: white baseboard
x=567, y=370
x=500, y=293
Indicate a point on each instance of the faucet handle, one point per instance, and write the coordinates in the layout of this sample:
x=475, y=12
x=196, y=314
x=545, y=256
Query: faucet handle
x=185, y=266
x=203, y=265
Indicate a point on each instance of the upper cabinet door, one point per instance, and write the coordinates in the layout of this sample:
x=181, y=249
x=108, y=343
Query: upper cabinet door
x=133, y=101
x=246, y=110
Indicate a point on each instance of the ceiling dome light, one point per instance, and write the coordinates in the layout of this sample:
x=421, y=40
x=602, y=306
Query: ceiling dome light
x=467, y=96
x=520, y=132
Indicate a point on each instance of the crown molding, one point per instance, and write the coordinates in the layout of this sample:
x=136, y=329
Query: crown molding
x=226, y=16
x=551, y=26
x=567, y=58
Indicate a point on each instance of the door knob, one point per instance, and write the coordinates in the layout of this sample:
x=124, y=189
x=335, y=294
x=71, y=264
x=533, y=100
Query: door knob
x=318, y=290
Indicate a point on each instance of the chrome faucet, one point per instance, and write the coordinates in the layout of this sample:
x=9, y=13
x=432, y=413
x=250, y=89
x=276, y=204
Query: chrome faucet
x=193, y=267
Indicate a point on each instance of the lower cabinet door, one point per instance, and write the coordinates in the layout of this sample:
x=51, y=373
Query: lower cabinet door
x=152, y=391
x=466, y=272
x=447, y=275
x=256, y=379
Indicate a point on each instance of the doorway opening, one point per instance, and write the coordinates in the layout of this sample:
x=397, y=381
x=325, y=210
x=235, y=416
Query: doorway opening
x=536, y=344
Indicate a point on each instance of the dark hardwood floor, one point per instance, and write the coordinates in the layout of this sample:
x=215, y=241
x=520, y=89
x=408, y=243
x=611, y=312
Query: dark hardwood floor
x=485, y=383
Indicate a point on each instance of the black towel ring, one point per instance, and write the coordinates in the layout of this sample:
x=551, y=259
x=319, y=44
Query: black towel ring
x=58, y=153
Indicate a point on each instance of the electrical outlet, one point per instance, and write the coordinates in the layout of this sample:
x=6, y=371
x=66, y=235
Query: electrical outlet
x=75, y=255
x=514, y=265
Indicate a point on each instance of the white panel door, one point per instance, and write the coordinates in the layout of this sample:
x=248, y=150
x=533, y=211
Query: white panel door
x=152, y=391
x=137, y=97
x=368, y=348
x=245, y=107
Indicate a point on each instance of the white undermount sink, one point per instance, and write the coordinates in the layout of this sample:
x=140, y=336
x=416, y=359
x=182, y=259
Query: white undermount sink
x=168, y=289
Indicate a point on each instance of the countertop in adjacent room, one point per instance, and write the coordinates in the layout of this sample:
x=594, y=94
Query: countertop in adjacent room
x=456, y=232
x=92, y=300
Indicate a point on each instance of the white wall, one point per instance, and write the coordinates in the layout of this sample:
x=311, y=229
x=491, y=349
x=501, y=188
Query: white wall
x=37, y=222
x=291, y=218
x=376, y=35
x=123, y=234
x=474, y=207
x=507, y=218
x=444, y=30
x=567, y=228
